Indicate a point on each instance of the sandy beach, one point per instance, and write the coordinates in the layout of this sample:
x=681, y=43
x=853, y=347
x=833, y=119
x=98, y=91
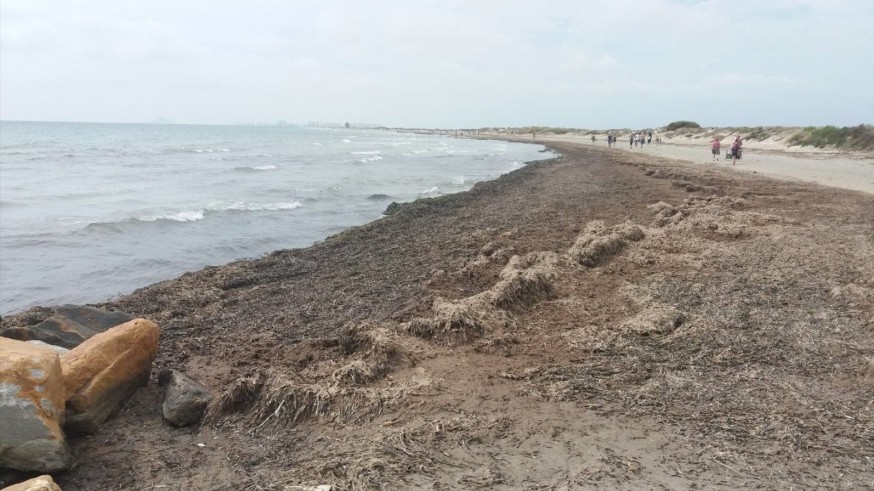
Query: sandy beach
x=846, y=170
x=609, y=319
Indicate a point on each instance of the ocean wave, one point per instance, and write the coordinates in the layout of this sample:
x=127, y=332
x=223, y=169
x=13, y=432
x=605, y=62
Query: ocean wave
x=434, y=191
x=241, y=206
x=194, y=150
x=254, y=168
x=368, y=152
x=184, y=216
x=373, y=158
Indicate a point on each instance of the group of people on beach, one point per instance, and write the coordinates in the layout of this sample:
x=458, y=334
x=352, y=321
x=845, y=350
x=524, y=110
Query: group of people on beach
x=638, y=139
x=736, y=149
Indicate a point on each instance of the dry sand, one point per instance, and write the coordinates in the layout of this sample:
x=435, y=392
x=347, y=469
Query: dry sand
x=602, y=320
x=847, y=170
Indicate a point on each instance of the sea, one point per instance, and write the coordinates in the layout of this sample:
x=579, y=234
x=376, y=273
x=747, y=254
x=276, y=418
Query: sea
x=89, y=212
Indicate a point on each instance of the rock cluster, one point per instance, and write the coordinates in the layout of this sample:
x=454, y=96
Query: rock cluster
x=67, y=374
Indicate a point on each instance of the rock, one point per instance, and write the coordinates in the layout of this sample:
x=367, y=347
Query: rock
x=185, y=400
x=61, y=350
x=104, y=371
x=69, y=325
x=392, y=208
x=41, y=483
x=31, y=408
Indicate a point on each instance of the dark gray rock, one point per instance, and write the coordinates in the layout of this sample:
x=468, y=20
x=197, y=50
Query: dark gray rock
x=185, y=400
x=393, y=208
x=69, y=325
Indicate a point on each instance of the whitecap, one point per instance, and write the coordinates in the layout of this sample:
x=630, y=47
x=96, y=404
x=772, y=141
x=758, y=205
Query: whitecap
x=182, y=216
x=433, y=190
x=373, y=152
x=242, y=206
x=346, y=141
x=254, y=168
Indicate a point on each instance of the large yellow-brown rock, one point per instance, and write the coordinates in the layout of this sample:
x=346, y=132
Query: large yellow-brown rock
x=104, y=371
x=41, y=483
x=32, y=399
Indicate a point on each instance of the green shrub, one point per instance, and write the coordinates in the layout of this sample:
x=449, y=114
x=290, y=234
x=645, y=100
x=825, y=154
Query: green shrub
x=758, y=134
x=676, y=125
x=849, y=137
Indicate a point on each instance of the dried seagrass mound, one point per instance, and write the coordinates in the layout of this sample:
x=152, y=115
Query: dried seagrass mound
x=240, y=397
x=378, y=348
x=454, y=322
x=277, y=400
x=526, y=280
x=597, y=243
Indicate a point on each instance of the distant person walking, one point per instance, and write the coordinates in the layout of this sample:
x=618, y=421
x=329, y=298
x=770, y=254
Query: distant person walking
x=736, y=149
x=658, y=137
x=593, y=139
x=715, y=145
x=649, y=138
x=631, y=140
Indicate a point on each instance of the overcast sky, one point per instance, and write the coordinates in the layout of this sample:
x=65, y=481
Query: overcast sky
x=446, y=63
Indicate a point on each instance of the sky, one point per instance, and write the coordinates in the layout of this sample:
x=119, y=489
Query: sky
x=593, y=64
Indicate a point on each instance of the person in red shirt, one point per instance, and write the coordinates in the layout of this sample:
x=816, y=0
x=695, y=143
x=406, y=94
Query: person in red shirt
x=715, y=145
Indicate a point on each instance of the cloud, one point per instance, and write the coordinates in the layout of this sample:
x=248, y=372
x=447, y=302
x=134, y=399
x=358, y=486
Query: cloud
x=433, y=63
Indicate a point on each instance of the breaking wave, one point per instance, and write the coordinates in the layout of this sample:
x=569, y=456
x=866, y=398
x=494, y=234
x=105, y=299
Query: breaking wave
x=254, y=168
x=184, y=216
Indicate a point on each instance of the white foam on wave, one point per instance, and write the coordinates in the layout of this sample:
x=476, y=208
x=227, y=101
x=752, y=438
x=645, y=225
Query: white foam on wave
x=195, y=215
x=317, y=144
x=372, y=152
x=243, y=206
x=370, y=159
x=420, y=151
x=346, y=140
x=250, y=168
x=182, y=216
x=433, y=190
